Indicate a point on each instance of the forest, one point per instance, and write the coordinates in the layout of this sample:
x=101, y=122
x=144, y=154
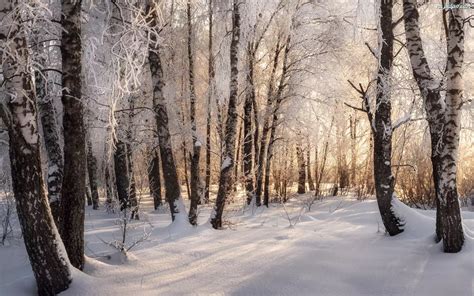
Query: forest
x=237, y=147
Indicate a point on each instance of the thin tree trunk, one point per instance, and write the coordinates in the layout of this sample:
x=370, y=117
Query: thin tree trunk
x=209, y=113
x=43, y=244
x=353, y=134
x=196, y=153
x=301, y=170
x=266, y=126
x=92, y=172
x=237, y=156
x=248, y=137
x=228, y=162
x=74, y=182
x=308, y=168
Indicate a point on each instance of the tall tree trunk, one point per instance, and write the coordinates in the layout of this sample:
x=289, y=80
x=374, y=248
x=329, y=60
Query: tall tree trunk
x=248, y=137
x=442, y=118
x=275, y=112
x=266, y=126
x=43, y=244
x=170, y=174
x=210, y=93
x=384, y=181
x=92, y=172
x=196, y=153
x=229, y=148
x=74, y=182
x=154, y=179
x=452, y=231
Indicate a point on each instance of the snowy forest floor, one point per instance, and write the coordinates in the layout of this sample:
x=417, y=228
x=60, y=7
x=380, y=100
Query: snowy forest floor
x=339, y=248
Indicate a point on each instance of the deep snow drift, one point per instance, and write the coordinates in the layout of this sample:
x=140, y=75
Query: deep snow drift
x=339, y=248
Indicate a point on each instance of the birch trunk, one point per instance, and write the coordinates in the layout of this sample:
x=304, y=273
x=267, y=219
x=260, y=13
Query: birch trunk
x=44, y=246
x=196, y=152
x=452, y=230
x=209, y=100
x=384, y=181
x=442, y=117
x=154, y=179
x=301, y=170
x=248, y=136
x=74, y=182
x=266, y=126
x=170, y=174
x=229, y=148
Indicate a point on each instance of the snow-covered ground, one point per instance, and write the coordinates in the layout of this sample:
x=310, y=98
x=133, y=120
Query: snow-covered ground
x=339, y=248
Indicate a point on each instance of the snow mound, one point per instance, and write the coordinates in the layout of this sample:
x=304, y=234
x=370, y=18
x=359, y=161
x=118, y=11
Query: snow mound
x=416, y=224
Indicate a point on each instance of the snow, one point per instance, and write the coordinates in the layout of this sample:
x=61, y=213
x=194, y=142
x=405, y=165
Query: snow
x=339, y=248
x=226, y=163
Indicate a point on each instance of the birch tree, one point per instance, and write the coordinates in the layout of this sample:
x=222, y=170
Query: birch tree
x=442, y=115
x=74, y=182
x=231, y=124
x=196, y=151
x=170, y=174
x=18, y=112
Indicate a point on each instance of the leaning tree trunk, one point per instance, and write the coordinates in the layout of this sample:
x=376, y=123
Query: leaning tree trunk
x=92, y=172
x=209, y=100
x=438, y=113
x=229, y=148
x=196, y=153
x=43, y=244
x=170, y=174
x=74, y=182
x=384, y=181
x=154, y=179
x=452, y=231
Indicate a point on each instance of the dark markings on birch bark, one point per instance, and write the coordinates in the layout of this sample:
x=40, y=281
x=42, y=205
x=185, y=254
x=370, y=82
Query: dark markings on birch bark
x=50, y=266
x=74, y=182
x=196, y=151
x=210, y=93
x=229, y=148
x=384, y=181
x=170, y=175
